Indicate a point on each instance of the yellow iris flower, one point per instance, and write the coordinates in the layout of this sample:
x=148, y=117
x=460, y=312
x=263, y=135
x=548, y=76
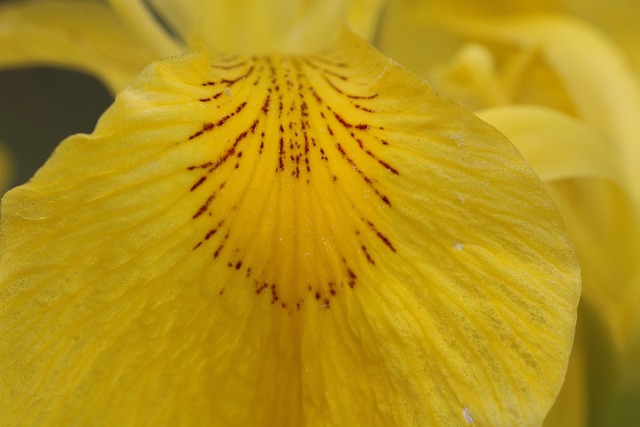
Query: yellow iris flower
x=568, y=96
x=278, y=227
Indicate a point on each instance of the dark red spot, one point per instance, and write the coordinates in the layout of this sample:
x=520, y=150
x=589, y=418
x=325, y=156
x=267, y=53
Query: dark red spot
x=265, y=106
x=202, y=166
x=388, y=167
x=204, y=207
x=231, y=82
x=198, y=183
x=366, y=254
x=385, y=240
x=213, y=231
x=205, y=128
x=216, y=254
x=253, y=126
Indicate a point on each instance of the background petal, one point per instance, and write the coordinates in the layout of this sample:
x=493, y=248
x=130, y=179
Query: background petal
x=549, y=59
x=556, y=145
x=83, y=35
x=186, y=17
x=603, y=89
x=255, y=26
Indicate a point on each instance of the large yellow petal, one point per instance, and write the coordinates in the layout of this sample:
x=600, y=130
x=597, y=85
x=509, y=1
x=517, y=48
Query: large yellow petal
x=77, y=34
x=284, y=240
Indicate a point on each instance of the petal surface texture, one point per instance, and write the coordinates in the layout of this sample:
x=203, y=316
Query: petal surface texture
x=584, y=177
x=309, y=240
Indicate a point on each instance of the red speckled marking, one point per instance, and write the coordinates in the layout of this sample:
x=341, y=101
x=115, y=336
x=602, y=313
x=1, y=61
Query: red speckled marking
x=289, y=117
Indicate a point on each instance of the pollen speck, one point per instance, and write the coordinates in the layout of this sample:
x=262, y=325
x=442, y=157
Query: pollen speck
x=466, y=413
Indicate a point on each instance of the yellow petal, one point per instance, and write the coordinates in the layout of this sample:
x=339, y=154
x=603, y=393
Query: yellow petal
x=571, y=407
x=557, y=146
x=179, y=16
x=255, y=26
x=363, y=16
x=268, y=20
x=413, y=32
x=584, y=178
x=80, y=35
x=594, y=71
x=284, y=240
x=470, y=78
x=619, y=18
x=500, y=72
x=409, y=38
x=144, y=24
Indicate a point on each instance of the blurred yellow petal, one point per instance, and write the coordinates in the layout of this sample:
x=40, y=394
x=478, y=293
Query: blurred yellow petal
x=470, y=78
x=407, y=38
x=142, y=22
x=269, y=20
x=557, y=146
x=517, y=74
x=489, y=7
x=255, y=26
x=179, y=16
x=619, y=18
x=602, y=87
x=76, y=34
x=284, y=240
x=363, y=16
x=552, y=60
